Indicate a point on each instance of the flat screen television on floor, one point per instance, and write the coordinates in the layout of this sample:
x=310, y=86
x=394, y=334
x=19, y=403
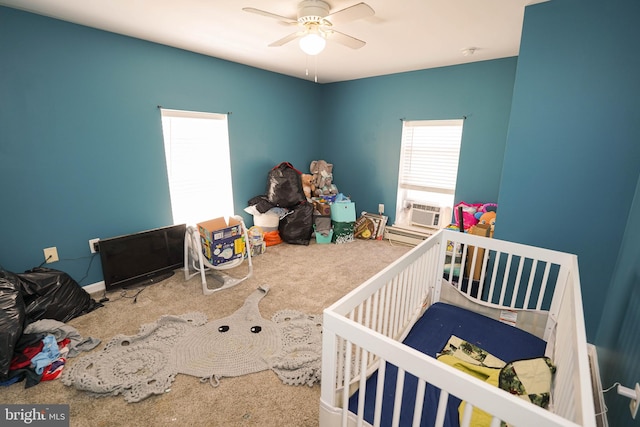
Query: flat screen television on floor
x=148, y=256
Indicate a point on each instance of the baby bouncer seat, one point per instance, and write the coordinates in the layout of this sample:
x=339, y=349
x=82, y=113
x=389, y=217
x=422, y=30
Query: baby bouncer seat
x=195, y=263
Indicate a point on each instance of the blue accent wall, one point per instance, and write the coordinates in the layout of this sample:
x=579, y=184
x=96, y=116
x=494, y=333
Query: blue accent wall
x=363, y=128
x=573, y=159
x=572, y=165
x=81, y=148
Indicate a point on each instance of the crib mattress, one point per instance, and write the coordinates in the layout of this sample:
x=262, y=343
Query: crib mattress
x=429, y=335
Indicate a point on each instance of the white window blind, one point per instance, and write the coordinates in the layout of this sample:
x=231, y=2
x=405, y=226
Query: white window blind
x=429, y=156
x=198, y=165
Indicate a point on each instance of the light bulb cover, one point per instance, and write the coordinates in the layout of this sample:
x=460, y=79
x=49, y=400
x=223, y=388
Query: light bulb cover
x=312, y=43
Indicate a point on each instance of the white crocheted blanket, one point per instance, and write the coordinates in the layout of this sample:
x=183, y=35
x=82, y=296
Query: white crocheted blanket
x=147, y=363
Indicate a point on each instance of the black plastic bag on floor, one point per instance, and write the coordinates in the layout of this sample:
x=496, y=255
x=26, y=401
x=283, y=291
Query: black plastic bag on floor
x=297, y=226
x=12, y=315
x=53, y=294
x=284, y=186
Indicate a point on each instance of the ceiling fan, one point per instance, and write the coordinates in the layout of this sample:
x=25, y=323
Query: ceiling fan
x=316, y=25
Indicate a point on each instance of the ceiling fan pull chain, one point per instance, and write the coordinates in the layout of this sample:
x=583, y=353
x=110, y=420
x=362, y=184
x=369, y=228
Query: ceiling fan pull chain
x=315, y=71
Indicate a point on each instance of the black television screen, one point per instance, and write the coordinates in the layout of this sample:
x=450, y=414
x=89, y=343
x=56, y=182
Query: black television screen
x=145, y=256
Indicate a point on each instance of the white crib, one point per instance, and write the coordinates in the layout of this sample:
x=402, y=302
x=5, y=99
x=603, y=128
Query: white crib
x=365, y=329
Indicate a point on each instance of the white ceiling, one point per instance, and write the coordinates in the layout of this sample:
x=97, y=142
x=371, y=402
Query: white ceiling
x=403, y=35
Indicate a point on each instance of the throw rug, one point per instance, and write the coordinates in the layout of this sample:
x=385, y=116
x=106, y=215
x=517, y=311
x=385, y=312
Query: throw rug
x=145, y=364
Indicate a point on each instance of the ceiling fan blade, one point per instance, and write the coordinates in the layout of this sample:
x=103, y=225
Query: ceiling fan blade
x=270, y=15
x=345, y=39
x=287, y=39
x=351, y=13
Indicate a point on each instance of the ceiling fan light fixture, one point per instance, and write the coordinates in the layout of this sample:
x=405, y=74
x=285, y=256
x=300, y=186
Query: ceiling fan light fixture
x=312, y=43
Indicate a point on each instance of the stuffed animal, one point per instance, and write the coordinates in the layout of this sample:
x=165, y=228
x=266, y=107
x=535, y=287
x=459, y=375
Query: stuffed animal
x=323, y=178
x=488, y=218
x=308, y=185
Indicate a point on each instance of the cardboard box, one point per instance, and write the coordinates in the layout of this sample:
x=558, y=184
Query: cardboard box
x=322, y=208
x=479, y=230
x=222, y=241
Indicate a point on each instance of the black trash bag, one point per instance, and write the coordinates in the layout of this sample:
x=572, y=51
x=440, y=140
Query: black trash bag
x=262, y=204
x=12, y=316
x=284, y=186
x=53, y=294
x=297, y=226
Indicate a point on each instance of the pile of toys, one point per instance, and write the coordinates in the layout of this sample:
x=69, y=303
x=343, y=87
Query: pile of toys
x=475, y=218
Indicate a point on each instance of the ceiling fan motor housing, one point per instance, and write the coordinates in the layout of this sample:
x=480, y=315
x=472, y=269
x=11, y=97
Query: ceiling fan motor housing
x=312, y=11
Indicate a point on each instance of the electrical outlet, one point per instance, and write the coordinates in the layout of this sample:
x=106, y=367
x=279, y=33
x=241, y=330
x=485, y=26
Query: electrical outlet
x=93, y=245
x=381, y=208
x=633, y=406
x=50, y=254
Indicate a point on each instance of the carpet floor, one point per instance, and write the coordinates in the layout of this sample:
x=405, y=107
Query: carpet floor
x=305, y=278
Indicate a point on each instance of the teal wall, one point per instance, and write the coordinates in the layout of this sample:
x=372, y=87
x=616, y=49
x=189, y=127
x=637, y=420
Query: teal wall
x=362, y=139
x=572, y=164
x=552, y=136
x=81, y=149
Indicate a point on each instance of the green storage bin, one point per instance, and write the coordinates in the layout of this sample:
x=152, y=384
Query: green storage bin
x=343, y=231
x=322, y=239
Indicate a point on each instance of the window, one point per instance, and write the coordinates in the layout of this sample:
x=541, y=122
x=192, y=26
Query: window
x=198, y=165
x=428, y=164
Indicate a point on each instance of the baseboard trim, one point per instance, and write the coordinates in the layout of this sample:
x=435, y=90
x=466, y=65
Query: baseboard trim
x=95, y=288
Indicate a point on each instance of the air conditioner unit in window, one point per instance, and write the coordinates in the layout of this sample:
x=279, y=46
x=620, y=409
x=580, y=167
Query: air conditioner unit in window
x=429, y=215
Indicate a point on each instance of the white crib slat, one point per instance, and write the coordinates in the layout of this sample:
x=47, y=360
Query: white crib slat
x=360, y=315
x=411, y=293
x=417, y=277
x=532, y=275
x=543, y=285
x=368, y=321
x=363, y=387
x=377, y=414
x=375, y=322
x=367, y=313
x=516, y=288
x=377, y=318
x=442, y=408
x=402, y=293
x=386, y=309
x=466, y=416
x=394, y=307
x=495, y=422
x=345, y=390
x=505, y=279
x=417, y=410
x=483, y=271
x=397, y=403
x=472, y=269
x=494, y=274
x=340, y=364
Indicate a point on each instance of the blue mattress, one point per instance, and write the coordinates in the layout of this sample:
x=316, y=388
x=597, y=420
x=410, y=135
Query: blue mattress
x=429, y=335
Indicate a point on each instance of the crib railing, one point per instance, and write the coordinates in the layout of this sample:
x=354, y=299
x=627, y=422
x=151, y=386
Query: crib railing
x=363, y=330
